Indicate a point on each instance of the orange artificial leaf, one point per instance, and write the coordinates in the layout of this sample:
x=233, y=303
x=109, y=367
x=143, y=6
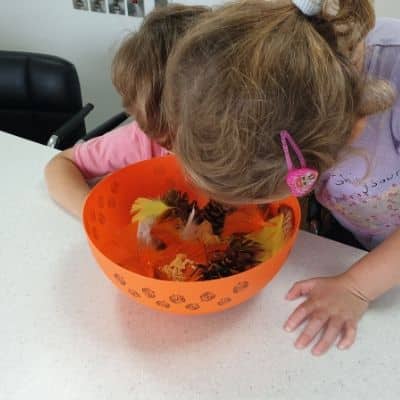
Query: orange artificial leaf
x=194, y=249
x=245, y=219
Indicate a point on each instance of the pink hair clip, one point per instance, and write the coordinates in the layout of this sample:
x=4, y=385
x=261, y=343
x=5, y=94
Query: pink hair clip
x=301, y=181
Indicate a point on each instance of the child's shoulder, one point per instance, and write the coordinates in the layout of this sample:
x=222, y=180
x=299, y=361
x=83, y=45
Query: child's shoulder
x=131, y=139
x=383, y=51
x=130, y=131
x=124, y=139
x=128, y=135
x=385, y=33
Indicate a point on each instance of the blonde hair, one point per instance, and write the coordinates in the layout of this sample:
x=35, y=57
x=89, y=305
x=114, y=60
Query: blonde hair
x=138, y=69
x=255, y=68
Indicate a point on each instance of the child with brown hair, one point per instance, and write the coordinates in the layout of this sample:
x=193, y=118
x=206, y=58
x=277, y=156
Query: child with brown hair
x=138, y=74
x=264, y=96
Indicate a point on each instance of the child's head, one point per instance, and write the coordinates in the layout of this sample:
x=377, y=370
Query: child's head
x=256, y=68
x=138, y=70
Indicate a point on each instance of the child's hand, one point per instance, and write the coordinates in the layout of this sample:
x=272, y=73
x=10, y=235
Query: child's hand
x=333, y=307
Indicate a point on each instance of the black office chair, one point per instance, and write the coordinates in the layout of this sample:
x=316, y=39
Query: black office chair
x=106, y=126
x=63, y=133
x=41, y=100
x=321, y=222
x=40, y=93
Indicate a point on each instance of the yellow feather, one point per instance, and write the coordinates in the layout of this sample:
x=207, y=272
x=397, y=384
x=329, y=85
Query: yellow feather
x=143, y=209
x=271, y=237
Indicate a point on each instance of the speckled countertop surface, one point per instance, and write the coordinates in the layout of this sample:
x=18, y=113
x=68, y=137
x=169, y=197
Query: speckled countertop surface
x=67, y=333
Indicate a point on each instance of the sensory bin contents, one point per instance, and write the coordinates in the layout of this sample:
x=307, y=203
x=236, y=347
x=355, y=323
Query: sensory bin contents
x=180, y=241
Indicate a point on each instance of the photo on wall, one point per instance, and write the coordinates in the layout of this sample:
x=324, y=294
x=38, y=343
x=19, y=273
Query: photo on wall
x=98, y=6
x=80, y=4
x=116, y=6
x=136, y=8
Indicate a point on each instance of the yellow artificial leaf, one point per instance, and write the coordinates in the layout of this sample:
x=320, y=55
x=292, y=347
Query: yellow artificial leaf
x=143, y=209
x=271, y=237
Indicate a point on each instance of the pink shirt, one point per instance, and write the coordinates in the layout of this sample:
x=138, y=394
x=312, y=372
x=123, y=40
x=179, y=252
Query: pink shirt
x=119, y=148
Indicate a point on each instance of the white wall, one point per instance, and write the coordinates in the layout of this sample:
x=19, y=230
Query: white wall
x=389, y=8
x=86, y=39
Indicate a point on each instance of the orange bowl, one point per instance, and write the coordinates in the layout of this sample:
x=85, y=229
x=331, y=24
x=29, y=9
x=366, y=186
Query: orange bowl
x=112, y=239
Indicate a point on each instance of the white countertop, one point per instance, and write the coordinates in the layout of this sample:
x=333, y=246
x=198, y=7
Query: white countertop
x=67, y=333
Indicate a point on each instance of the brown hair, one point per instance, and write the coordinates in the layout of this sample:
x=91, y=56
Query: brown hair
x=255, y=68
x=138, y=70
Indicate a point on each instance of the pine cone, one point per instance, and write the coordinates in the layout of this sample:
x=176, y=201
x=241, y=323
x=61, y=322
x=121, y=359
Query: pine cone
x=215, y=213
x=240, y=255
x=180, y=205
x=288, y=221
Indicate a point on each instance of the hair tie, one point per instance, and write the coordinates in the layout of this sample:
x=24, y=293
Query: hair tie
x=309, y=7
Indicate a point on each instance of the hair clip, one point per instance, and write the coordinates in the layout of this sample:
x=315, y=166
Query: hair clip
x=301, y=181
x=309, y=7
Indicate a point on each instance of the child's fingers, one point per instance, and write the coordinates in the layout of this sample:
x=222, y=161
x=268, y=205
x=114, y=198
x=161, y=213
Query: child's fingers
x=349, y=335
x=300, y=289
x=299, y=315
x=313, y=327
x=332, y=331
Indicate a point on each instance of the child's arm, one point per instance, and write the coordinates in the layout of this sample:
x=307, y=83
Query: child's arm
x=336, y=304
x=68, y=172
x=66, y=183
x=378, y=271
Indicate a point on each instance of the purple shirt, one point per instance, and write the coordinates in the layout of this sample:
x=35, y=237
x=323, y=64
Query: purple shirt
x=363, y=190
